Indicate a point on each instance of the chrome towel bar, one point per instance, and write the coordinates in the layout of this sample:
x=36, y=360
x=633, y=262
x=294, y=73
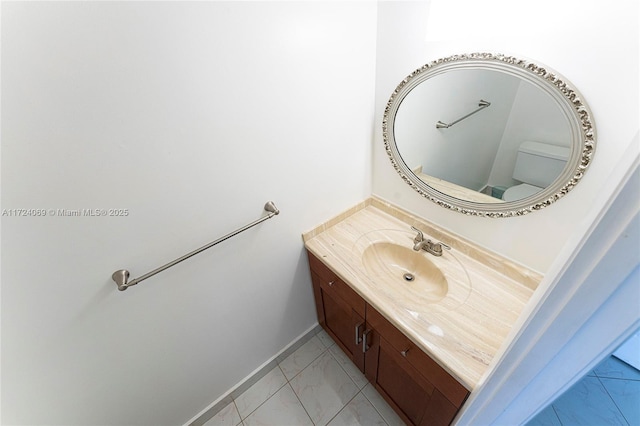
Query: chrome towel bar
x=121, y=276
x=482, y=104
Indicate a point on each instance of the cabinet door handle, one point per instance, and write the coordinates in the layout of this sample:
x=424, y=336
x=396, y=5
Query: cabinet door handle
x=358, y=338
x=365, y=347
x=331, y=283
x=404, y=353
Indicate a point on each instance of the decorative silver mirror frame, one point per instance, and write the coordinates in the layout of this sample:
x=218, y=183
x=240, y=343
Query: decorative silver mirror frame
x=568, y=98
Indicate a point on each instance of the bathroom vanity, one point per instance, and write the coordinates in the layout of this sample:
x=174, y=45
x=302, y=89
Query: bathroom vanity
x=417, y=387
x=422, y=328
x=420, y=311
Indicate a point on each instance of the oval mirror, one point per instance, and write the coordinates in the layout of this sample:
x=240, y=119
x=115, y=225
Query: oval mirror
x=488, y=135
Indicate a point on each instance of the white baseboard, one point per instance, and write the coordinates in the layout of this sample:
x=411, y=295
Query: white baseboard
x=217, y=405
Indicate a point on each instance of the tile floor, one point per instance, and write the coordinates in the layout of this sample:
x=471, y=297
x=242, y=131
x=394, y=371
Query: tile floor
x=315, y=385
x=318, y=385
x=609, y=395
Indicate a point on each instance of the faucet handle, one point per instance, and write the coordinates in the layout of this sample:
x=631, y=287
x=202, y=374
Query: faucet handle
x=436, y=248
x=418, y=237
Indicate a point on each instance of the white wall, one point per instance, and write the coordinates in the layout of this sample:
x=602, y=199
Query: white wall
x=594, y=45
x=191, y=116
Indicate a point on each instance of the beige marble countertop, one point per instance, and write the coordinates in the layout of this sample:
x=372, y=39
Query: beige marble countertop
x=461, y=333
x=454, y=190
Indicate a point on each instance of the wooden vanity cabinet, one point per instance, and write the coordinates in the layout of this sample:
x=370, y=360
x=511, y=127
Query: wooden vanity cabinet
x=418, y=389
x=340, y=310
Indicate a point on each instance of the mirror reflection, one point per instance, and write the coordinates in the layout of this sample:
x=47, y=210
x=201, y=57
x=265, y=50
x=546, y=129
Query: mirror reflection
x=488, y=135
x=510, y=149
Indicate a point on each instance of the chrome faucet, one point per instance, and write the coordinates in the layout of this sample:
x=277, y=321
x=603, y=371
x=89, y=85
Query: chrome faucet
x=427, y=245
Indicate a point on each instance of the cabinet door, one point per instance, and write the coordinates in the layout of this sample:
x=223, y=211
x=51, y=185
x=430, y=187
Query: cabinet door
x=340, y=310
x=344, y=325
x=440, y=411
x=401, y=385
x=419, y=390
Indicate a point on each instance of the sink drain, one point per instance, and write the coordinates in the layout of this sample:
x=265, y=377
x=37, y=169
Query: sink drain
x=409, y=277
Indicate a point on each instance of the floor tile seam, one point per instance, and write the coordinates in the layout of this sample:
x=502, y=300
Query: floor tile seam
x=259, y=405
x=625, y=364
x=360, y=390
x=613, y=400
x=553, y=408
x=305, y=367
x=333, y=342
x=326, y=349
x=343, y=407
x=345, y=371
x=626, y=379
x=288, y=382
x=374, y=405
x=237, y=411
x=301, y=404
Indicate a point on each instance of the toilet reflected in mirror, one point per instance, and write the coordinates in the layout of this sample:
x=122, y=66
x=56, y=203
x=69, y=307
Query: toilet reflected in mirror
x=537, y=166
x=454, y=127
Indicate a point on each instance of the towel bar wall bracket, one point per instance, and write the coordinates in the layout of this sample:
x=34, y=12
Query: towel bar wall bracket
x=121, y=276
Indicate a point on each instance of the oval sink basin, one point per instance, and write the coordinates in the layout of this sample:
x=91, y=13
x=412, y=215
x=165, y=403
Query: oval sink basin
x=417, y=277
x=398, y=263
